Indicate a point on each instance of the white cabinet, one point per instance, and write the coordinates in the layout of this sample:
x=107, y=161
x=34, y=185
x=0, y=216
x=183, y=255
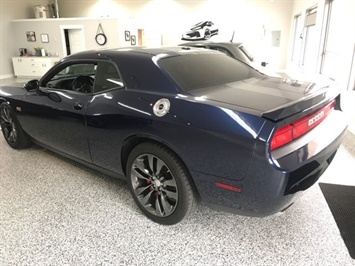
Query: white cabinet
x=33, y=66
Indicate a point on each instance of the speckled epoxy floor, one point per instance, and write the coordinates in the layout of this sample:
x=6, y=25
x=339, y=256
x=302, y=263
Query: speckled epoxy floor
x=56, y=212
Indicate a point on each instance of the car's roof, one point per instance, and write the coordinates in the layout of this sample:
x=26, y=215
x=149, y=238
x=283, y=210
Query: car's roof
x=200, y=43
x=148, y=51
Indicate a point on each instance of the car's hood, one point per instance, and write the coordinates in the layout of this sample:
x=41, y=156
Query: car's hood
x=12, y=91
x=274, y=98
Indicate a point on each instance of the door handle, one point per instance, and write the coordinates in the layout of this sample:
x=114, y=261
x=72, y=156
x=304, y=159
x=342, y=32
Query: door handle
x=78, y=106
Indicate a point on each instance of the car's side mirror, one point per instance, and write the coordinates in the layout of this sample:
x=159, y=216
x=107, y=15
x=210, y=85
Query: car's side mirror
x=31, y=85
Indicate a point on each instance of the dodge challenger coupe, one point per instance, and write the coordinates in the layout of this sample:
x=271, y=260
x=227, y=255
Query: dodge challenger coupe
x=181, y=124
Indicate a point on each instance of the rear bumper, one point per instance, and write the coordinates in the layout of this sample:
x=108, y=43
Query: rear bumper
x=273, y=183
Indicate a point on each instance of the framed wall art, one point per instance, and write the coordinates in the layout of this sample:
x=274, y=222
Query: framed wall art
x=44, y=38
x=127, y=36
x=133, y=40
x=31, y=36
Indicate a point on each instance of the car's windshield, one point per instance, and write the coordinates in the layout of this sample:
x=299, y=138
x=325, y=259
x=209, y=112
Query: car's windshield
x=196, y=71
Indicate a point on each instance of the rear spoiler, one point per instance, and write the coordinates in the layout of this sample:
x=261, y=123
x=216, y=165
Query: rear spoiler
x=310, y=102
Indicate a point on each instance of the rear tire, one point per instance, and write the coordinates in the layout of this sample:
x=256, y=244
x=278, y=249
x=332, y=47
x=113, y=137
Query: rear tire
x=11, y=128
x=160, y=183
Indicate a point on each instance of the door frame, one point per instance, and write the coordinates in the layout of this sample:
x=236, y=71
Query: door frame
x=70, y=27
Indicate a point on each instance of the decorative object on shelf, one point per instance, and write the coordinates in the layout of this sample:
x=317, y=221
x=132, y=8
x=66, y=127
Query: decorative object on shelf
x=40, y=11
x=44, y=38
x=56, y=9
x=23, y=51
x=127, y=35
x=133, y=40
x=38, y=51
x=100, y=37
x=52, y=11
x=31, y=36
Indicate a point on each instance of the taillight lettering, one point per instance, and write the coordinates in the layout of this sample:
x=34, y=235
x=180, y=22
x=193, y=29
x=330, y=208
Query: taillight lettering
x=315, y=118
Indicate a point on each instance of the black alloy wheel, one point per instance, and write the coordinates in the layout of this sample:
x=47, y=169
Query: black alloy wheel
x=159, y=183
x=11, y=128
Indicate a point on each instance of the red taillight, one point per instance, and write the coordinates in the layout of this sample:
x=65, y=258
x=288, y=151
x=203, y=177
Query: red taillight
x=286, y=134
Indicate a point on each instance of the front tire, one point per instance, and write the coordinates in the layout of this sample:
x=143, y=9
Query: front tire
x=11, y=128
x=160, y=183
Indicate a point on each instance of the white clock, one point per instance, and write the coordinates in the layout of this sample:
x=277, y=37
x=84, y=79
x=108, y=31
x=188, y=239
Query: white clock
x=101, y=38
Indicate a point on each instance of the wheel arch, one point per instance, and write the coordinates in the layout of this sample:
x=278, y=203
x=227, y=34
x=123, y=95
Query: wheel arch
x=132, y=141
x=2, y=100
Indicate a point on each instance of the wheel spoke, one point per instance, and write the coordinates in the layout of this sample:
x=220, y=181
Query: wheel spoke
x=171, y=194
x=138, y=174
x=139, y=163
x=5, y=124
x=7, y=132
x=169, y=183
x=4, y=118
x=7, y=115
x=151, y=164
x=159, y=166
x=166, y=206
x=140, y=190
x=146, y=199
x=158, y=207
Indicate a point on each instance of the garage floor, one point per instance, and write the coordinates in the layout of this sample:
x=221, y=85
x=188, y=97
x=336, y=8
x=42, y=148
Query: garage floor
x=56, y=212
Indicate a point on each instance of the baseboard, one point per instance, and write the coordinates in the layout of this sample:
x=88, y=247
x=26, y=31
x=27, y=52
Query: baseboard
x=8, y=76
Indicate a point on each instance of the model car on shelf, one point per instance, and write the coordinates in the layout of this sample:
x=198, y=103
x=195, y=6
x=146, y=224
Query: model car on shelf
x=201, y=31
x=180, y=124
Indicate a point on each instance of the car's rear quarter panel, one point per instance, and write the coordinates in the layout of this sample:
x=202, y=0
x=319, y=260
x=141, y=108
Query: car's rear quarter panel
x=206, y=138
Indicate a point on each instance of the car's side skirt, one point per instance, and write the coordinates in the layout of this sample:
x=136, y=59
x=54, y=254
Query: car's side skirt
x=87, y=164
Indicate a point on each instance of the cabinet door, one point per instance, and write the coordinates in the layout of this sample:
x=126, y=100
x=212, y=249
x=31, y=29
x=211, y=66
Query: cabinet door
x=43, y=68
x=18, y=66
x=32, y=67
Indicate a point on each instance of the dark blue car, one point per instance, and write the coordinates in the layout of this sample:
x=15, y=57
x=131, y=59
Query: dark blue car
x=180, y=124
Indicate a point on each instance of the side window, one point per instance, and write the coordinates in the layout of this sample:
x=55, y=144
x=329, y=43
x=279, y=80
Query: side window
x=78, y=77
x=107, y=77
x=222, y=50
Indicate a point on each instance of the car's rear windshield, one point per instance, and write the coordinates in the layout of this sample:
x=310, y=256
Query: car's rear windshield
x=245, y=52
x=196, y=71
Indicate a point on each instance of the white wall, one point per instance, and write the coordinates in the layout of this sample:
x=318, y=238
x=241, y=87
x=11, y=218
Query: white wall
x=9, y=10
x=52, y=28
x=252, y=20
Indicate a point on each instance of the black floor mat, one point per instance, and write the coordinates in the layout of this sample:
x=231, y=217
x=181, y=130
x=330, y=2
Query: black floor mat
x=341, y=201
